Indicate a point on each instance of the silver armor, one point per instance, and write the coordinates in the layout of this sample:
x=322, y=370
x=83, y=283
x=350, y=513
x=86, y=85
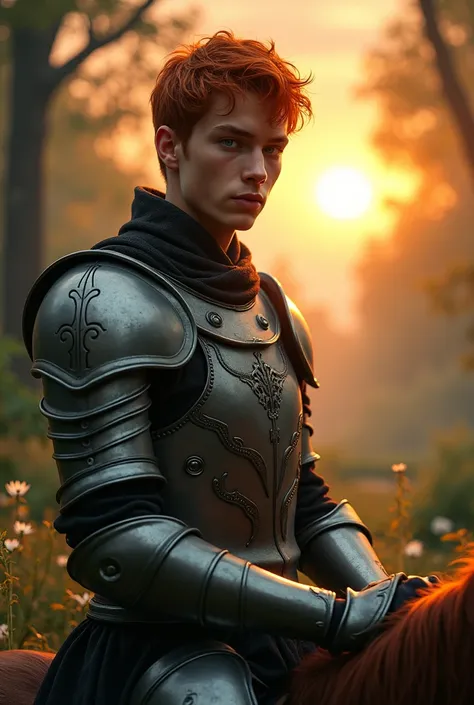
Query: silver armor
x=98, y=325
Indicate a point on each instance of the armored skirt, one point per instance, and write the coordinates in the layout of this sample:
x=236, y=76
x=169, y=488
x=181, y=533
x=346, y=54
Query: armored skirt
x=99, y=663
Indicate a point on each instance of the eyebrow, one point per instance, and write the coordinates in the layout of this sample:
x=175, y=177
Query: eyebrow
x=234, y=130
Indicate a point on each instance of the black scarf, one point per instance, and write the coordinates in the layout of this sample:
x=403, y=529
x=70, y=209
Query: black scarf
x=168, y=239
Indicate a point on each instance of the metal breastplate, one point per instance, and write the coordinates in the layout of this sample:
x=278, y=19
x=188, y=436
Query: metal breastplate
x=232, y=462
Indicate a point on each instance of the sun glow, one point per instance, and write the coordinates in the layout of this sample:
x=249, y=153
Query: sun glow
x=343, y=193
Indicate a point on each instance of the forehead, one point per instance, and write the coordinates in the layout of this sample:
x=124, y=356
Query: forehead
x=250, y=114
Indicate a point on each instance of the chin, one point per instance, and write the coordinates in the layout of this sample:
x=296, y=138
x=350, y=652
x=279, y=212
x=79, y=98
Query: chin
x=243, y=224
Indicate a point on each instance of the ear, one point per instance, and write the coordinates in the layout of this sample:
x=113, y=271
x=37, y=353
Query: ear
x=166, y=147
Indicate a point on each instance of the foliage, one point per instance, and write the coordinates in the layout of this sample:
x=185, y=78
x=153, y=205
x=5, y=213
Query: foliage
x=448, y=488
x=123, y=43
x=39, y=603
x=388, y=387
x=19, y=417
x=453, y=294
x=24, y=447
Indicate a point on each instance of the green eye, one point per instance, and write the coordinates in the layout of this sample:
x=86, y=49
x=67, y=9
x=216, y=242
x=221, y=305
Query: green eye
x=228, y=140
x=274, y=150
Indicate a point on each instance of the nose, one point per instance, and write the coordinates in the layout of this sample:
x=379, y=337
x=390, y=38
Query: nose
x=255, y=168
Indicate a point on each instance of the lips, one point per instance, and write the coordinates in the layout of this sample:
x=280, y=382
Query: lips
x=253, y=197
x=249, y=204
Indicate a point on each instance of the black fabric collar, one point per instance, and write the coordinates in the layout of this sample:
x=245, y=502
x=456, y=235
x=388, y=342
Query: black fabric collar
x=168, y=239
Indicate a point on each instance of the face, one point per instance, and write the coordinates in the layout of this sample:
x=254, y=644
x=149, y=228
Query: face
x=231, y=162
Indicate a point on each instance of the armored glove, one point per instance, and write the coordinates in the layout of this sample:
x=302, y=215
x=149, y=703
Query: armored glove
x=410, y=589
x=357, y=619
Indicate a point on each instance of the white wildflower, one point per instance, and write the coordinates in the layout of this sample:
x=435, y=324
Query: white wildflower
x=414, y=549
x=21, y=527
x=3, y=631
x=61, y=561
x=441, y=525
x=11, y=544
x=82, y=600
x=15, y=488
x=399, y=467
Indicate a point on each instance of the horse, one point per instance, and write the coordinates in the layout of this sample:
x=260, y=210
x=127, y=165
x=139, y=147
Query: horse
x=21, y=674
x=423, y=655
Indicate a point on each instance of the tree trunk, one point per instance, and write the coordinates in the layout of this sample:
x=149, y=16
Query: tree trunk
x=455, y=94
x=23, y=186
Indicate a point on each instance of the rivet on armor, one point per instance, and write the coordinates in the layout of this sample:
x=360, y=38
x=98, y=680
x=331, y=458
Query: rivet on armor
x=90, y=461
x=262, y=321
x=84, y=424
x=194, y=465
x=86, y=443
x=214, y=319
x=110, y=571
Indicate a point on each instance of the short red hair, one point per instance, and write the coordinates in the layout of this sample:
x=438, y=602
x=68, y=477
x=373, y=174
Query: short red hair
x=222, y=63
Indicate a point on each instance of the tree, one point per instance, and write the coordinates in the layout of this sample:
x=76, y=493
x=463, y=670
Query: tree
x=454, y=292
x=415, y=131
x=454, y=92
x=401, y=383
x=33, y=31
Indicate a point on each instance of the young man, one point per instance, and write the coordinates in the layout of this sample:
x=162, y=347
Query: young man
x=174, y=382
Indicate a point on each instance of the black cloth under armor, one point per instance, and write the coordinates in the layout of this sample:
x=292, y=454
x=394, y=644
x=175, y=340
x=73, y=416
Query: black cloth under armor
x=165, y=237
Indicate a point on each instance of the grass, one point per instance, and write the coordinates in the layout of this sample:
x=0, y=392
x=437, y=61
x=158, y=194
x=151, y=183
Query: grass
x=39, y=603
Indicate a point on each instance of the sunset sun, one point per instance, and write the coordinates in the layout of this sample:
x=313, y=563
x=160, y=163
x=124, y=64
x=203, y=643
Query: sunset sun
x=343, y=193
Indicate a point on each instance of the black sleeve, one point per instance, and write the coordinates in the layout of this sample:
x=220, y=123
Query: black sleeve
x=107, y=506
x=313, y=501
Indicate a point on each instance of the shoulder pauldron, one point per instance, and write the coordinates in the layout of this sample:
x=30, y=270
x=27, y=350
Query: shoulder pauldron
x=96, y=313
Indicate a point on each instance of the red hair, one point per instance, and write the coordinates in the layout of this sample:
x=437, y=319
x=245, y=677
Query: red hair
x=222, y=63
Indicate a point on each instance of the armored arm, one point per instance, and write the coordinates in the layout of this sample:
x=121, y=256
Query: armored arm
x=95, y=325
x=336, y=546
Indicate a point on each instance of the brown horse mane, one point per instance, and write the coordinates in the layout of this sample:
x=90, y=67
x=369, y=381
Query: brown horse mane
x=423, y=654
x=21, y=673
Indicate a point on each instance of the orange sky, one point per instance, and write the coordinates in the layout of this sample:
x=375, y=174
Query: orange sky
x=328, y=39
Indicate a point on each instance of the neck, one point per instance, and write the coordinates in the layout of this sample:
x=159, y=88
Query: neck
x=223, y=237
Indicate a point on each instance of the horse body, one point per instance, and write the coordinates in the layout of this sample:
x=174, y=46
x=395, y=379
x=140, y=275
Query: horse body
x=21, y=674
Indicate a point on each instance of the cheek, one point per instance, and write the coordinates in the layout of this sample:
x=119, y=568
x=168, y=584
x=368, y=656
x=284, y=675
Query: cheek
x=273, y=172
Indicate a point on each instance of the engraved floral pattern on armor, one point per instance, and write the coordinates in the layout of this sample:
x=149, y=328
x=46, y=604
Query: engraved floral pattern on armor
x=233, y=443
x=289, y=450
x=264, y=381
x=235, y=497
x=267, y=384
x=286, y=503
x=81, y=330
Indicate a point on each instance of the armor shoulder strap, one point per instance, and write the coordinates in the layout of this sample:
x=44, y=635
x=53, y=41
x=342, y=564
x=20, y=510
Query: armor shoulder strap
x=97, y=313
x=295, y=331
